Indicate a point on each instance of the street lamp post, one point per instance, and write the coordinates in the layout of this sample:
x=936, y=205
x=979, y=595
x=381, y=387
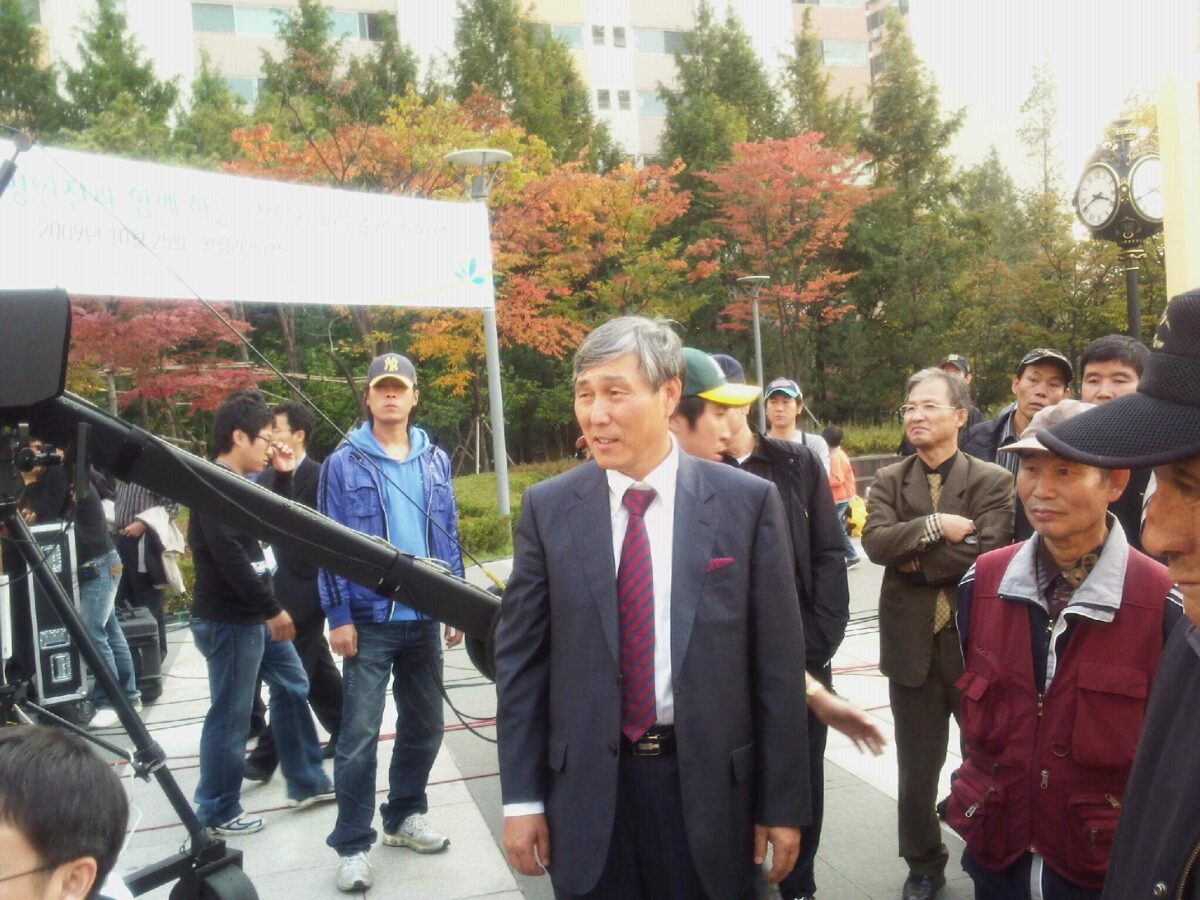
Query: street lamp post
x=755, y=283
x=483, y=163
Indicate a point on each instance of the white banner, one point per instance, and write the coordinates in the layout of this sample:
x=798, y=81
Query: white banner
x=79, y=221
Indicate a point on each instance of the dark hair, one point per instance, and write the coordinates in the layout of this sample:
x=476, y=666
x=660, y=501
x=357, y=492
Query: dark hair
x=244, y=411
x=61, y=797
x=299, y=418
x=691, y=408
x=1116, y=348
x=833, y=436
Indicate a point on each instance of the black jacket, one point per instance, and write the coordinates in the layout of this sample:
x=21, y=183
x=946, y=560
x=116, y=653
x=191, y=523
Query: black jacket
x=983, y=440
x=296, y=580
x=1158, y=834
x=1128, y=507
x=817, y=544
x=228, y=589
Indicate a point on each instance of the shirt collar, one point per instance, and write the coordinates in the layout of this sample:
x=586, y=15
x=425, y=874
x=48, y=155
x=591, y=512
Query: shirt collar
x=661, y=478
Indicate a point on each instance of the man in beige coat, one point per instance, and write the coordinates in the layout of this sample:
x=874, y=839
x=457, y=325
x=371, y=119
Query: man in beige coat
x=928, y=517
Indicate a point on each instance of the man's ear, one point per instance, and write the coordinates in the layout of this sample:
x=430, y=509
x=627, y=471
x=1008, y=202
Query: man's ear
x=239, y=441
x=672, y=389
x=677, y=424
x=74, y=880
x=1118, y=480
x=416, y=395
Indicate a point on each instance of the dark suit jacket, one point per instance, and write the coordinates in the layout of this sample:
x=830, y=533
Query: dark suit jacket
x=897, y=507
x=296, y=579
x=737, y=668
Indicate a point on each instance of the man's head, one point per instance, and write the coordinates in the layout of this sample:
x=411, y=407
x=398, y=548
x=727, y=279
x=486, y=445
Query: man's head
x=628, y=378
x=391, y=390
x=243, y=429
x=784, y=403
x=294, y=425
x=956, y=365
x=935, y=407
x=1158, y=425
x=701, y=422
x=1042, y=378
x=1111, y=367
x=1066, y=501
x=833, y=436
x=63, y=814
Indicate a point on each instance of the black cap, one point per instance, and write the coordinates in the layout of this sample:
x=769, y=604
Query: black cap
x=959, y=362
x=1159, y=424
x=1045, y=354
x=731, y=367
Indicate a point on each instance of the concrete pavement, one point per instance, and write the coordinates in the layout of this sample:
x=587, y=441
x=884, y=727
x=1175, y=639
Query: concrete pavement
x=288, y=860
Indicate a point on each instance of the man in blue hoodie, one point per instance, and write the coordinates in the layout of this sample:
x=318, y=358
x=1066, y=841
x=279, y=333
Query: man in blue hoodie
x=387, y=479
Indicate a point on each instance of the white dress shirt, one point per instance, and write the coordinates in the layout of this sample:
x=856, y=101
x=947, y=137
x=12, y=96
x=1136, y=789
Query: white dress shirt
x=660, y=530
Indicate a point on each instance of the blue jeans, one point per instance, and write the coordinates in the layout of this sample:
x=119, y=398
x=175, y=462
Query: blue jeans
x=97, y=596
x=236, y=654
x=848, y=550
x=412, y=652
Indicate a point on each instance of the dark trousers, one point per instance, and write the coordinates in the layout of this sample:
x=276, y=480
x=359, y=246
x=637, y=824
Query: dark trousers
x=801, y=880
x=922, y=720
x=1016, y=882
x=324, y=689
x=649, y=857
x=138, y=589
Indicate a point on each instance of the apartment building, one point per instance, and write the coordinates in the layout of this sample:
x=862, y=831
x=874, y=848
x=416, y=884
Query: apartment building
x=623, y=48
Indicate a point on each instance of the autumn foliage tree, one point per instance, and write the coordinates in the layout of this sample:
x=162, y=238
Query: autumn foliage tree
x=156, y=358
x=784, y=207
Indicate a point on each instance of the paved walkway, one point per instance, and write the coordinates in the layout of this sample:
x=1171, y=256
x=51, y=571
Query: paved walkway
x=288, y=860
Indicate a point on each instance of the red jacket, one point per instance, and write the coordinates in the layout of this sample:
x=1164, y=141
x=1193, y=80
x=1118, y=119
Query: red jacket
x=1046, y=773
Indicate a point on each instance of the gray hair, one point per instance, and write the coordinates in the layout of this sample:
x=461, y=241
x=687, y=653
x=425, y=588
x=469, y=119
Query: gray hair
x=658, y=349
x=956, y=388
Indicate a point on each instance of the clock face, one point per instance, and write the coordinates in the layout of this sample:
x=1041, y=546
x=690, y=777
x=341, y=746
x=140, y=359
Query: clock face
x=1097, y=195
x=1145, y=188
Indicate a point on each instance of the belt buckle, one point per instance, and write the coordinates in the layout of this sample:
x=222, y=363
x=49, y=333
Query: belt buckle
x=649, y=744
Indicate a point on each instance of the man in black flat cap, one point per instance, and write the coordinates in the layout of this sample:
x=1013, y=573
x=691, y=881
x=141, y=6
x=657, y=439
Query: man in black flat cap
x=1158, y=835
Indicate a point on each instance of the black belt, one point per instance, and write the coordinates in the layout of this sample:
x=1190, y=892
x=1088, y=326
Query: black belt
x=658, y=741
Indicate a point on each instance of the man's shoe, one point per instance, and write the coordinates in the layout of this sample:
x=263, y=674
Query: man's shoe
x=922, y=887
x=354, y=873
x=415, y=834
x=940, y=808
x=235, y=827
x=329, y=751
x=104, y=718
x=313, y=799
x=251, y=772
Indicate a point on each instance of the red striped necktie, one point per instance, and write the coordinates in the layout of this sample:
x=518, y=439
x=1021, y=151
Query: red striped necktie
x=635, y=611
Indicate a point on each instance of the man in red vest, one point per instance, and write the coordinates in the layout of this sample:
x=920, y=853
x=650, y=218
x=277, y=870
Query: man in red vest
x=1061, y=636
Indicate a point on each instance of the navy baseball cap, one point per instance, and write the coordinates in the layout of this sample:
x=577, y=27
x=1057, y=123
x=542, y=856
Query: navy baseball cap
x=391, y=365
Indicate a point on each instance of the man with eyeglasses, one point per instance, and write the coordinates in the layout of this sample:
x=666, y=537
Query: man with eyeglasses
x=63, y=814
x=928, y=517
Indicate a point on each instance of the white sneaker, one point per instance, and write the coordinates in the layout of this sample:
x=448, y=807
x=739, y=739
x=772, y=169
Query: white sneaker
x=313, y=799
x=415, y=834
x=105, y=718
x=354, y=873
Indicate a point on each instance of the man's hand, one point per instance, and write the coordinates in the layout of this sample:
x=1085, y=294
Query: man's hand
x=134, y=529
x=955, y=528
x=344, y=640
x=527, y=843
x=453, y=637
x=786, y=844
x=283, y=457
x=282, y=627
x=848, y=719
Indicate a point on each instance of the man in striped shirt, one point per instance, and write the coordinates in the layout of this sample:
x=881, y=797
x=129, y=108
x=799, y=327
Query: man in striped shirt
x=137, y=584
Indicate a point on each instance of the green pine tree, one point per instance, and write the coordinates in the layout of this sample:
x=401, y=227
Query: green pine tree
x=29, y=98
x=203, y=134
x=806, y=85
x=112, y=73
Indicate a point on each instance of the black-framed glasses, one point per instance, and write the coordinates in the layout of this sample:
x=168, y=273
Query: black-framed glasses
x=269, y=438
x=49, y=867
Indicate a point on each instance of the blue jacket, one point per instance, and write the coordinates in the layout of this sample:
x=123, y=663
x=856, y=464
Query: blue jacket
x=352, y=492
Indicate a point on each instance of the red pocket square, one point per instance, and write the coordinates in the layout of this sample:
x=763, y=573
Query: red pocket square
x=719, y=562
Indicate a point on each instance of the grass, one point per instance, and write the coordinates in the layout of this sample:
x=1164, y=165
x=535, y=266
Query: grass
x=868, y=440
x=484, y=533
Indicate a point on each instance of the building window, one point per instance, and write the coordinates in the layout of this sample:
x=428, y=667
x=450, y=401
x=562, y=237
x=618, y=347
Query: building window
x=213, y=17
x=651, y=106
x=603, y=99
x=655, y=40
x=618, y=36
x=598, y=35
x=878, y=64
x=258, y=19
x=571, y=35
x=246, y=88
x=844, y=53
x=875, y=20
x=623, y=100
x=369, y=27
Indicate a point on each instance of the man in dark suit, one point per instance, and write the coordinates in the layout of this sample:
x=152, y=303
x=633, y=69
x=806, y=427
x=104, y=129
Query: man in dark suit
x=649, y=670
x=296, y=588
x=928, y=517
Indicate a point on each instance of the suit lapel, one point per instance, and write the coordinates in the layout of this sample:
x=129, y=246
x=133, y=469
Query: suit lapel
x=956, y=485
x=591, y=536
x=916, y=488
x=695, y=529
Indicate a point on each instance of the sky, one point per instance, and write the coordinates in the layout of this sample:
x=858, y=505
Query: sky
x=983, y=55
